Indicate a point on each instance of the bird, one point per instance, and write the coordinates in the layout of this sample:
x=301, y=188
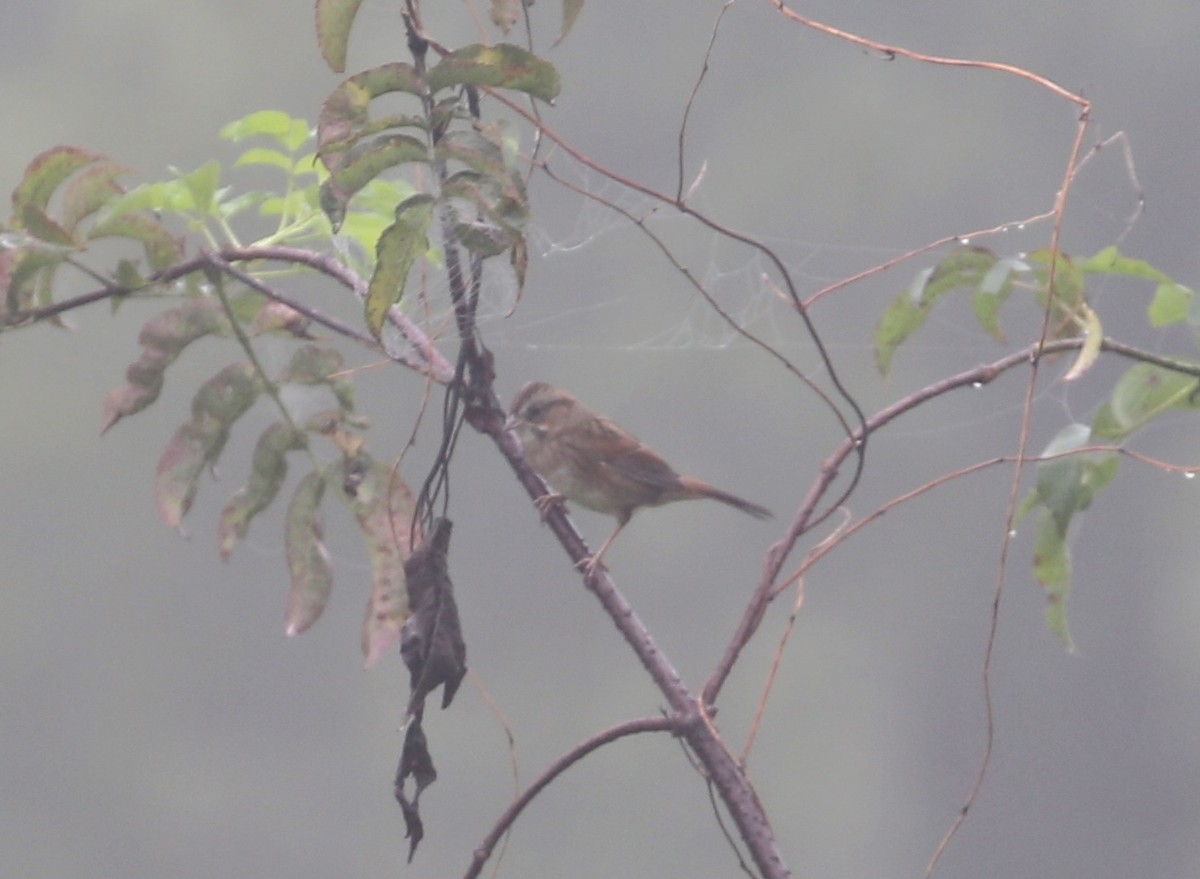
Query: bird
x=589, y=459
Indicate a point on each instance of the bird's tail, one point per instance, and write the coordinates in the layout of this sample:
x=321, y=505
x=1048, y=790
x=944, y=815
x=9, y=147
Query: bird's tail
x=733, y=500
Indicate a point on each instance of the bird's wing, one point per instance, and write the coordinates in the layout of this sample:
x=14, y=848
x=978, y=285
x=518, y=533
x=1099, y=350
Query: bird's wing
x=622, y=456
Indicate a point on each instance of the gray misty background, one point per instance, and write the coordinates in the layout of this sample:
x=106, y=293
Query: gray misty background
x=155, y=721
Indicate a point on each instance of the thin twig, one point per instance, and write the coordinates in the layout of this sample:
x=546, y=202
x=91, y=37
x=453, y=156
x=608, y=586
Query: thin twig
x=558, y=767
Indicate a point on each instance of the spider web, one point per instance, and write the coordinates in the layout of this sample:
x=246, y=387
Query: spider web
x=597, y=280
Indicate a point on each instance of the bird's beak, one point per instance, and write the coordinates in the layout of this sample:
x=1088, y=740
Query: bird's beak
x=511, y=422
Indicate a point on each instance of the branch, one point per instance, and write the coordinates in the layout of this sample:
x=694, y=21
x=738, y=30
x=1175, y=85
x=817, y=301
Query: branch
x=889, y=52
x=801, y=524
x=435, y=365
x=555, y=769
x=721, y=767
x=219, y=262
x=431, y=362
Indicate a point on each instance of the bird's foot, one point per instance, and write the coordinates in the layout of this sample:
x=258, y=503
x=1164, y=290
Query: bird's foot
x=548, y=502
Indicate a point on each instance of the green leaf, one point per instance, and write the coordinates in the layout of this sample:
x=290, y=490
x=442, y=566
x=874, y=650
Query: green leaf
x=265, y=156
x=268, y=469
x=903, y=317
x=571, y=10
x=334, y=19
x=373, y=211
x=497, y=214
x=502, y=66
x=1069, y=292
x=381, y=196
x=234, y=206
x=312, y=365
x=294, y=205
x=202, y=185
x=225, y=397
x=363, y=164
x=8, y=263
x=169, y=195
x=993, y=291
x=1109, y=261
x=519, y=261
x=127, y=275
x=964, y=267
x=1052, y=567
x=1146, y=391
x=1193, y=312
x=490, y=152
x=399, y=247
x=1170, y=305
x=1059, y=485
x=1171, y=300
x=1066, y=486
x=344, y=115
x=289, y=133
x=1106, y=428
x=307, y=558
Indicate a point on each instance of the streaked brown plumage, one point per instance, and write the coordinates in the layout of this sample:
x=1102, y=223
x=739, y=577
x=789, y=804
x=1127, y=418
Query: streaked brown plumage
x=588, y=459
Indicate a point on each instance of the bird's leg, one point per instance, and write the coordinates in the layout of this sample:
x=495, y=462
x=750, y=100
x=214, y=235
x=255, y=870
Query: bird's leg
x=592, y=562
x=548, y=502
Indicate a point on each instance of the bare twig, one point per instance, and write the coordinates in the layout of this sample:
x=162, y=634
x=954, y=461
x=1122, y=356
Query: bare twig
x=630, y=727
x=974, y=377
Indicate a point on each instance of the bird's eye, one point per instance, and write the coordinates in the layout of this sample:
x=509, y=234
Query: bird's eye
x=534, y=411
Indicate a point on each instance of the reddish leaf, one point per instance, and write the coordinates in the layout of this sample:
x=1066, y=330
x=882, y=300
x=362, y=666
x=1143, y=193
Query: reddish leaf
x=383, y=506
x=162, y=338
x=177, y=475
x=307, y=557
x=89, y=191
x=198, y=443
x=277, y=317
x=47, y=172
x=39, y=224
x=25, y=273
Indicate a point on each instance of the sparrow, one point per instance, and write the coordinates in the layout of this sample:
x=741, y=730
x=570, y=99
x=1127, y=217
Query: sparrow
x=587, y=458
